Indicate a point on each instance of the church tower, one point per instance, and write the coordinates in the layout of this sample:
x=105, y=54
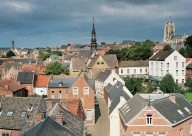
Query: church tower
x=169, y=31
x=93, y=38
x=13, y=45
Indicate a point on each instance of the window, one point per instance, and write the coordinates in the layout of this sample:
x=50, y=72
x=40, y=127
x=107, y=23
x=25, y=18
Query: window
x=121, y=70
x=183, y=80
x=186, y=109
x=180, y=112
x=136, y=134
x=98, y=63
x=167, y=65
x=30, y=107
x=161, y=65
x=140, y=70
x=52, y=94
x=23, y=114
x=86, y=90
x=167, y=71
x=183, y=64
x=88, y=115
x=177, y=73
x=151, y=64
x=181, y=132
x=146, y=70
x=149, y=134
x=177, y=64
x=175, y=57
x=134, y=70
x=177, y=81
x=102, y=63
x=9, y=114
x=60, y=94
x=156, y=72
x=156, y=64
x=114, y=79
x=127, y=70
x=75, y=90
x=5, y=134
x=191, y=128
x=161, y=134
x=183, y=73
x=149, y=120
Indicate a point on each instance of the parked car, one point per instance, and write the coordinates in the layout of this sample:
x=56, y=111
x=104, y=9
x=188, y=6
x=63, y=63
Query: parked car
x=96, y=103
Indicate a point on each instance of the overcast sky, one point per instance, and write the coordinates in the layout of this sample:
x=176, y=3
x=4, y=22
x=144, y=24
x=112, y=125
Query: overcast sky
x=48, y=23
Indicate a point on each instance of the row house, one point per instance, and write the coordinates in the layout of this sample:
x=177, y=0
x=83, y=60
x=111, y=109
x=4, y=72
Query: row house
x=164, y=62
x=136, y=68
x=156, y=115
x=79, y=87
x=115, y=96
x=102, y=80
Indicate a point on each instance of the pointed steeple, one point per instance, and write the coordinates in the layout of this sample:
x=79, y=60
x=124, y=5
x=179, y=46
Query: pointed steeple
x=93, y=38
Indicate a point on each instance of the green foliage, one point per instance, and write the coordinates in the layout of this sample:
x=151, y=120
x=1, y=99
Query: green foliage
x=188, y=51
x=167, y=48
x=148, y=43
x=188, y=84
x=35, y=95
x=182, y=52
x=56, y=68
x=58, y=53
x=103, y=43
x=10, y=54
x=188, y=96
x=134, y=84
x=168, y=85
x=151, y=86
x=188, y=41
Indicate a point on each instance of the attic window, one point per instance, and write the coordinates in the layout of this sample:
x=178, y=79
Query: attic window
x=186, y=109
x=102, y=63
x=180, y=112
x=9, y=114
x=126, y=108
x=23, y=114
x=30, y=107
x=98, y=63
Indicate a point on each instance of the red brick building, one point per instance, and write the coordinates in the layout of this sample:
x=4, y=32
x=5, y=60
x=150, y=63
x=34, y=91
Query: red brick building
x=156, y=115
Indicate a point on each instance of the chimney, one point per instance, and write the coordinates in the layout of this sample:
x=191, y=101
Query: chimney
x=172, y=97
x=49, y=104
x=37, y=118
x=44, y=115
x=59, y=118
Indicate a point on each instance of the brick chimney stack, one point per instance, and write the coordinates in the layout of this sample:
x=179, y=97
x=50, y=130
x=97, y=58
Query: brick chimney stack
x=59, y=118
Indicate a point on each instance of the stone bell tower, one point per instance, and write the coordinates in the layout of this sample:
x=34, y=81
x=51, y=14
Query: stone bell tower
x=169, y=31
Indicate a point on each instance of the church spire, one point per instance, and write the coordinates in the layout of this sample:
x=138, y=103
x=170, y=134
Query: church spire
x=93, y=38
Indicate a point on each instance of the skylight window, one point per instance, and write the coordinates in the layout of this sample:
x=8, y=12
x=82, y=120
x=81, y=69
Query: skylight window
x=23, y=114
x=126, y=108
x=9, y=114
x=186, y=109
x=180, y=112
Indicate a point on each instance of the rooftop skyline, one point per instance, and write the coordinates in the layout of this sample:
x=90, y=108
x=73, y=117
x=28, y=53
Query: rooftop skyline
x=48, y=23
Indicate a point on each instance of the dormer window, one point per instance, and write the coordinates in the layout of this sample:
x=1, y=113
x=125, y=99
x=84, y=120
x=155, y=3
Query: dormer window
x=9, y=114
x=180, y=112
x=60, y=83
x=30, y=107
x=126, y=108
x=23, y=114
x=186, y=109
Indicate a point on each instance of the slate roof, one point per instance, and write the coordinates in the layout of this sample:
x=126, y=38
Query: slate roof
x=65, y=64
x=17, y=105
x=160, y=102
x=189, y=66
x=25, y=60
x=114, y=93
x=143, y=63
x=16, y=65
x=71, y=122
x=102, y=76
x=66, y=82
x=176, y=37
x=26, y=77
x=85, y=54
x=55, y=57
x=78, y=64
x=161, y=55
x=48, y=127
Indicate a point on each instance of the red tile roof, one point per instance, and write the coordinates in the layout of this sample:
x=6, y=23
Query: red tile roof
x=12, y=85
x=188, y=59
x=5, y=92
x=42, y=81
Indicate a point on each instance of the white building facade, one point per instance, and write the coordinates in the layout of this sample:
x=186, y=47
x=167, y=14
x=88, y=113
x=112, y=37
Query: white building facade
x=164, y=62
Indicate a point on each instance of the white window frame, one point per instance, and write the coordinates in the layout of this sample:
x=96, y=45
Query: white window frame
x=149, y=120
x=181, y=132
x=52, y=94
x=175, y=57
x=183, y=64
x=90, y=113
x=75, y=93
x=127, y=70
x=183, y=72
x=177, y=64
x=84, y=90
x=177, y=72
x=167, y=65
x=191, y=128
x=60, y=94
x=134, y=71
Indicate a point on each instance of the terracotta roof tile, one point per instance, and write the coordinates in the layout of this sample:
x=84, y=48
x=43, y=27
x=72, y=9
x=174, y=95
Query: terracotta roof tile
x=188, y=59
x=12, y=85
x=42, y=81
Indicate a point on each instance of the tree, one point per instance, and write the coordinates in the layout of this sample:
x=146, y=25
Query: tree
x=58, y=53
x=168, y=85
x=188, y=46
x=182, y=52
x=55, y=68
x=188, y=84
x=10, y=54
x=167, y=48
x=133, y=84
